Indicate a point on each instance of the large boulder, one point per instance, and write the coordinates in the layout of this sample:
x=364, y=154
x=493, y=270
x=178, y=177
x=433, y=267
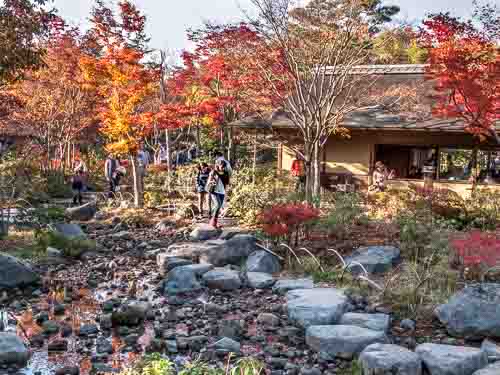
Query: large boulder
x=203, y=232
x=167, y=263
x=85, y=212
x=223, y=279
x=192, y=250
x=181, y=280
x=377, y=322
x=386, y=359
x=16, y=273
x=451, y=360
x=13, y=352
x=375, y=259
x=314, y=307
x=493, y=369
x=342, y=341
x=233, y=251
x=473, y=312
x=285, y=285
x=263, y=261
x=69, y=231
x=259, y=280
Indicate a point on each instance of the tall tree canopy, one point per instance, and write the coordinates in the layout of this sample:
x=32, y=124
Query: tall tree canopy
x=24, y=24
x=464, y=63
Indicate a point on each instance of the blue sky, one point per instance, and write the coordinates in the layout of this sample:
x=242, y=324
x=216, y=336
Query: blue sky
x=168, y=19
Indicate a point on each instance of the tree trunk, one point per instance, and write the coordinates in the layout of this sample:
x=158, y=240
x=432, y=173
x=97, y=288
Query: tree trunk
x=169, y=159
x=230, y=145
x=316, y=173
x=137, y=174
x=308, y=189
x=254, y=166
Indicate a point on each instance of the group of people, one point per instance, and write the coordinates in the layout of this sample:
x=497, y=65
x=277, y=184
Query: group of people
x=212, y=183
x=182, y=156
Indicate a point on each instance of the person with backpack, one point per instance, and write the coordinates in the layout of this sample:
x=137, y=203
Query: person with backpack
x=77, y=182
x=110, y=167
x=217, y=190
x=201, y=186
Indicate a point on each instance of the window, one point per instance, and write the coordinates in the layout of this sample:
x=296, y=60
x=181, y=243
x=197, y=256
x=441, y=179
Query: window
x=456, y=164
x=488, y=166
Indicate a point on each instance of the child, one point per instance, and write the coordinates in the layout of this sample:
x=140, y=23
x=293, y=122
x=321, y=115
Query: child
x=77, y=186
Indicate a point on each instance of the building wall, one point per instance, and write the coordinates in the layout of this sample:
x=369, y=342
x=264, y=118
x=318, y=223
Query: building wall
x=356, y=154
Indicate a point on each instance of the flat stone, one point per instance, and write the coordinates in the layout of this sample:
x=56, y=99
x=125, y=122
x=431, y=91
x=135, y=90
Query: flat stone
x=262, y=261
x=231, y=252
x=313, y=307
x=342, y=341
x=227, y=344
x=377, y=322
x=203, y=232
x=222, y=279
x=493, y=369
x=285, y=285
x=259, y=280
x=167, y=263
x=181, y=280
x=451, y=360
x=84, y=212
x=473, y=312
x=386, y=359
x=12, y=350
x=70, y=231
x=375, y=259
x=15, y=273
x=492, y=350
x=199, y=269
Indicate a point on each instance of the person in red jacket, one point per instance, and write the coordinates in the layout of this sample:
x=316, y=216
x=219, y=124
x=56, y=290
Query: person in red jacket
x=298, y=171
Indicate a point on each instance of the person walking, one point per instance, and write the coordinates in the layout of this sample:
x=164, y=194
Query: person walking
x=110, y=167
x=77, y=187
x=298, y=171
x=142, y=165
x=226, y=176
x=201, y=186
x=217, y=190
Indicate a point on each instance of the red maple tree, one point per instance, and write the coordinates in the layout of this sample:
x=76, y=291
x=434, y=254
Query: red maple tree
x=464, y=63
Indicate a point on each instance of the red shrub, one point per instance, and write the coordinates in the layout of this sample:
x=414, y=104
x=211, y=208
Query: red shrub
x=283, y=220
x=478, y=249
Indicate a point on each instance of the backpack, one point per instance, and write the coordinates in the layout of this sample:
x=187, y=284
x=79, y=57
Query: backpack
x=225, y=177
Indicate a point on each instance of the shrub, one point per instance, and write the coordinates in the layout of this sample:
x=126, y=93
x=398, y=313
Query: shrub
x=477, y=252
x=420, y=238
x=248, y=199
x=57, y=187
x=282, y=221
x=200, y=368
x=415, y=288
x=71, y=247
x=248, y=366
x=346, y=213
x=153, y=364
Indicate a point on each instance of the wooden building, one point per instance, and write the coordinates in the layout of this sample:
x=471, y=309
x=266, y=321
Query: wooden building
x=407, y=141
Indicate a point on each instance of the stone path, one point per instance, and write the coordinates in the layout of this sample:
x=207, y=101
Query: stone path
x=220, y=293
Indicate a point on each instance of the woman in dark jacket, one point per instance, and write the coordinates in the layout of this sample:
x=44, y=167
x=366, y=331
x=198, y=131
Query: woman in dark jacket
x=201, y=186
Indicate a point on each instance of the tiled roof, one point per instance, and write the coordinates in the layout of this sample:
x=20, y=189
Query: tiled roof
x=386, y=69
